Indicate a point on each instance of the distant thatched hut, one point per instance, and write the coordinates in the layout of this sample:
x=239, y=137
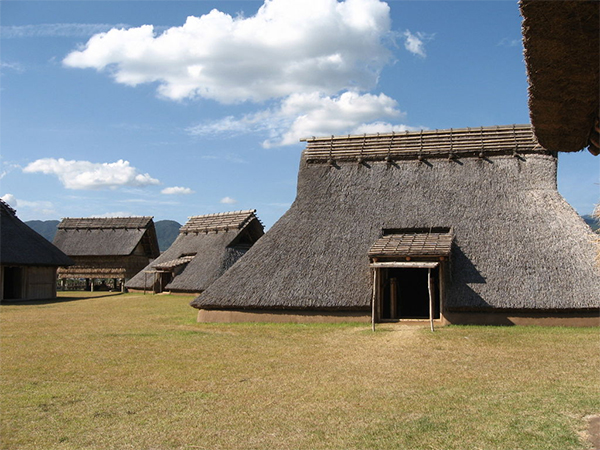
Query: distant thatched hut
x=205, y=248
x=28, y=261
x=451, y=224
x=113, y=248
x=562, y=53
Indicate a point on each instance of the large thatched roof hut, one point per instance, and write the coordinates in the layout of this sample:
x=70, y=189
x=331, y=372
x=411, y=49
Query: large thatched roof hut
x=113, y=248
x=28, y=261
x=562, y=53
x=206, y=247
x=452, y=224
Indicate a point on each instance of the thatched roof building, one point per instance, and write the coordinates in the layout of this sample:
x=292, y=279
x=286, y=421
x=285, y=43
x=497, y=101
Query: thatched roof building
x=562, y=53
x=28, y=261
x=451, y=223
x=107, y=248
x=205, y=248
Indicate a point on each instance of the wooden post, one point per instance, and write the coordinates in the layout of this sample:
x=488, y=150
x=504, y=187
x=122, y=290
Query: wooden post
x=91, y=285
x=373, y=299
x=145, y=278
x=430, y=298
x=122, y=281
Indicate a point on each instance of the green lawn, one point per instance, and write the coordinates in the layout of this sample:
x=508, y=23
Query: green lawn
x=130, y=371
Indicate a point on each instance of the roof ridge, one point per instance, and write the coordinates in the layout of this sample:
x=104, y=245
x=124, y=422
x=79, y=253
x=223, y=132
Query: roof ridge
x=424, y=132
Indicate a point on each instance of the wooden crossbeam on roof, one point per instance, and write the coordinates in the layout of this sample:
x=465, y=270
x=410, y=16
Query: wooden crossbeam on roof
x=110, y=223
x=218, y=222
x=483, y=141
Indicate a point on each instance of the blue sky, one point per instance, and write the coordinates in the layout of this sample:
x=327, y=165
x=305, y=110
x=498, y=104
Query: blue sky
x=196, y=107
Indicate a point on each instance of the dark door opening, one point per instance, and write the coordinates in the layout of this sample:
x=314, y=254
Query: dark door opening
x=13, y=281
x=405, y=293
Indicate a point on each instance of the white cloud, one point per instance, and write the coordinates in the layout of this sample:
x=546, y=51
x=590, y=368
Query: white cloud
x=114, y=214
x=80, y=30
x=88, y=175
x=305, y=115
x=228, y=200
x=415, y=43
x=176, y=190
x=12, y=66
x=287, y=47
x=41, y=208
x=11, y=200
x=507, y=42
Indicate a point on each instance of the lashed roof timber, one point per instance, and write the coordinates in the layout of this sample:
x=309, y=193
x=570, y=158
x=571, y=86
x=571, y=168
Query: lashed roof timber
x=453, y=143
x=412, y=243
x=562, y=55
x=104, y=223
x=20, y=245
x=235, y=220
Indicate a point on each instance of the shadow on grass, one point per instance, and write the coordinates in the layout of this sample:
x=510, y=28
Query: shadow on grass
x=62, y=299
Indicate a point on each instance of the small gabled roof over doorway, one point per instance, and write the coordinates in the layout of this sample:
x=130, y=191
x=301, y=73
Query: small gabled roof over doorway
x=413, y=242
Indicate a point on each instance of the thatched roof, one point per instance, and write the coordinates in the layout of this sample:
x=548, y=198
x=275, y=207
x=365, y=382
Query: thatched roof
x=115, y=236
x=20, y=245
x=413, y=242
x=206, y=247
x=507, y=251
x=562, y=53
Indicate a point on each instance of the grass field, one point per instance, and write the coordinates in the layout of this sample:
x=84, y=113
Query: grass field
x=129, y=371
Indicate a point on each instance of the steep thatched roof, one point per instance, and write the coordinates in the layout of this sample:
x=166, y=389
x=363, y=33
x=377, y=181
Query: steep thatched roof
x=507, y=251
x=206, y=247
x=562, y=52
x=20, y=245
x=115, y=236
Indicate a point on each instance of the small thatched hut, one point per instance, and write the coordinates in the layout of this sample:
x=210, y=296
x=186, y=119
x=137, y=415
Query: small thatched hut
x=460, y=226
x=112, y=249
x=562, y=53
x=206, y=247
x=28, y=261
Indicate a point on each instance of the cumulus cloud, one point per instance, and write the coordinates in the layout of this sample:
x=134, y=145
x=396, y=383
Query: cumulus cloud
x=314, y=114
x=287, y=47
x=228, y=200
x=10, y=199
x=176, y=190
x=88, y=175
x=415, y=43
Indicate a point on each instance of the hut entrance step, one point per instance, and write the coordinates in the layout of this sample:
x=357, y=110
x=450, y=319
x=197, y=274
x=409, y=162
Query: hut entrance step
x=405, y=293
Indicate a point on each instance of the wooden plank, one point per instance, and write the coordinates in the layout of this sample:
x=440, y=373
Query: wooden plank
x=405, y=264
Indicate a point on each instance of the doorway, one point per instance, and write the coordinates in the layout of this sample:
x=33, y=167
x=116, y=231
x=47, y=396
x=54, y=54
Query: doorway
x=405, y=293
x=13, y=283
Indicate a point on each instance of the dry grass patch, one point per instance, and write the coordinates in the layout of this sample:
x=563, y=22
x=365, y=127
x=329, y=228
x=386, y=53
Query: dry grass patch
x=137, y=372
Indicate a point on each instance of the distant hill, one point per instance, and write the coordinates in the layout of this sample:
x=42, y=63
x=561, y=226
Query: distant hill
x=166, y=230
x=46, y=228
x=593, y=223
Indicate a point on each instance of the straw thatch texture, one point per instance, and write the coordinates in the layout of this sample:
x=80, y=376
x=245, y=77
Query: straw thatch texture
x=562, y=53
x=508, y=252
x=413, y=243
x=205, y=248
x=21, y=246
x=115, y=236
